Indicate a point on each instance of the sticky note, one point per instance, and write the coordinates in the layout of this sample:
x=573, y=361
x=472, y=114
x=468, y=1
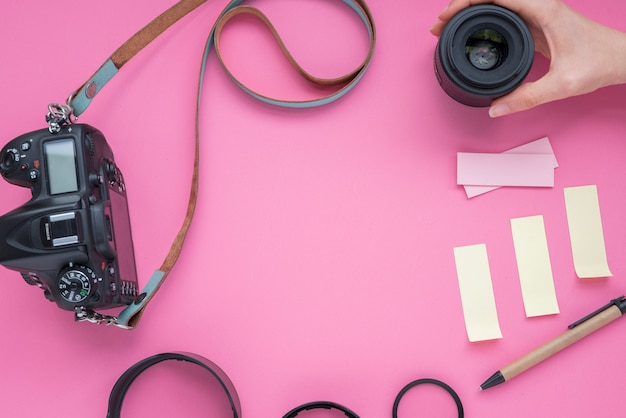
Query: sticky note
x=533, y=265
x=477, y=298
x=481, y=169
x=538, y=146
x=586, y=234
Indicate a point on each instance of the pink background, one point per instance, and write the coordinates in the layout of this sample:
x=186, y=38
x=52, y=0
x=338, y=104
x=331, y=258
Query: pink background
x=319, y=265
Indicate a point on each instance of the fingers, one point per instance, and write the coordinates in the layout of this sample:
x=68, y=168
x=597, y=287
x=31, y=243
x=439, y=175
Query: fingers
x=527, y=96
x=456, y=6
x=453, y=8
x=437, y=28
x=517, y=6
x=530, y=10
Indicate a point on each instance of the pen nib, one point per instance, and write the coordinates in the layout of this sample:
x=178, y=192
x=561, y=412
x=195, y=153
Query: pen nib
x=495, y=379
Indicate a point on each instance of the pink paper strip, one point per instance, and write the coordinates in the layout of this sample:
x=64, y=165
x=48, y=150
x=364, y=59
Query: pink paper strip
x=539, y=146
x=532, y=170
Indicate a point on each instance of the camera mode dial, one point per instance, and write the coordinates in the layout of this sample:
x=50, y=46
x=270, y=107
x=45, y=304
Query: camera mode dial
x=77, y=283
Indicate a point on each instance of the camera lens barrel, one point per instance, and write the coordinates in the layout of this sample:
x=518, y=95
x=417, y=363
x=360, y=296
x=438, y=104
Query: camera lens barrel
x=484, y=52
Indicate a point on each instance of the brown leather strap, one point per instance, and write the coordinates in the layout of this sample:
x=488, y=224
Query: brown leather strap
x=150, y=32
x=81, y=98
x=258, y=14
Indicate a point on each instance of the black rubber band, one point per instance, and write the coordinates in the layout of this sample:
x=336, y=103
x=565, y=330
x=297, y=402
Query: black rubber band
x=320, y=405
x=123, y=383
x=457, y=400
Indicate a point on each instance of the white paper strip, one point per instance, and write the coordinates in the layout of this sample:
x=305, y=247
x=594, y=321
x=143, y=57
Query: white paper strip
x=530, y=170
x=586, y=234
x=479, y=304
x=533, y=265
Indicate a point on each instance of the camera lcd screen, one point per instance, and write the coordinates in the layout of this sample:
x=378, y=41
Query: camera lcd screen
x=123, y=238
x=61, y=166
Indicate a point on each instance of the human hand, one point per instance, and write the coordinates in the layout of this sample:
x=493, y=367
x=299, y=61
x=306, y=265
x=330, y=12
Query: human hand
x=584, y=55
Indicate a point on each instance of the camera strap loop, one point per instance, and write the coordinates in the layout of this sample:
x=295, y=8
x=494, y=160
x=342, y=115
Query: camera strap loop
x=82, y=97
x=58, y=115
x=83, y=314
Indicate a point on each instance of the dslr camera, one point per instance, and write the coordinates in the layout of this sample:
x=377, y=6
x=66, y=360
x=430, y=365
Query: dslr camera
x=73, y=237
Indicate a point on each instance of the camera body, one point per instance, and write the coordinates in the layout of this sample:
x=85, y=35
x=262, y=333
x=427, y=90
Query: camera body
x=73, y=237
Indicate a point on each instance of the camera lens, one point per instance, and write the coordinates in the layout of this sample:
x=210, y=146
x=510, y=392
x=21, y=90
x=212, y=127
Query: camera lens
x=484, y=52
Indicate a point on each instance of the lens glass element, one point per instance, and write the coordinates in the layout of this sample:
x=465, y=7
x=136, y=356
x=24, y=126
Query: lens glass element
x=486, y=49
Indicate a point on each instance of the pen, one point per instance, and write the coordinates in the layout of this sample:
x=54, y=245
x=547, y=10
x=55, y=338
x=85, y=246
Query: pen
x=575, y=332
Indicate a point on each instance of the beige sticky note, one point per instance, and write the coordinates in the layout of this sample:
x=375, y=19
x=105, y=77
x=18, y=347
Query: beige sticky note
x=533, y=265
x=479, y=304
x=586, y=234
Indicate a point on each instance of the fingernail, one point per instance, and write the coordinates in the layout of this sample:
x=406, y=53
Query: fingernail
x=499, y=109
x=435, y=25
x=443, y=11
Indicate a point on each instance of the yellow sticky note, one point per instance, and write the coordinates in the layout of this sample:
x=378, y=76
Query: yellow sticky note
x=533, y=265
x=586, y=234
x=479, y=304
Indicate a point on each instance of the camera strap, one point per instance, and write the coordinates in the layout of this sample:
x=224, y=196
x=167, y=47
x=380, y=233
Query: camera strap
x=78, y=102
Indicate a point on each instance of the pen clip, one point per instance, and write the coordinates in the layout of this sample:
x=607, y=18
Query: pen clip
x=615, y=302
